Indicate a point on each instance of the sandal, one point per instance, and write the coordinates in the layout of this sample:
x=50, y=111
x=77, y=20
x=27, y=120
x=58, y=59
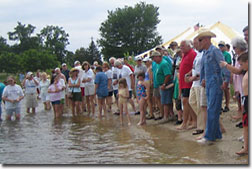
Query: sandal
x=196, y=132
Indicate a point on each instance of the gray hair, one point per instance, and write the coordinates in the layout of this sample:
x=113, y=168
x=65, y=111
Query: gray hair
x=239, y=43
x=188, y=43
x=117, y=63
x=112, y=58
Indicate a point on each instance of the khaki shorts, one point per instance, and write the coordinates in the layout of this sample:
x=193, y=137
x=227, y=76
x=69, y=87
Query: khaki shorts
x=203, y=98
x=31, y=101
x=89, y=90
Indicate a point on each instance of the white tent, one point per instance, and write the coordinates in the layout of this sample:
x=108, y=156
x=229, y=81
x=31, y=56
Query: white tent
x=223, y=33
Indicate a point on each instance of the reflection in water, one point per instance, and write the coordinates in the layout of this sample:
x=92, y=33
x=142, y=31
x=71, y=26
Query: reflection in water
x=39, y=139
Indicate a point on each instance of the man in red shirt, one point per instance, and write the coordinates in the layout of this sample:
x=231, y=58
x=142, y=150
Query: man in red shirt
x=186, y=66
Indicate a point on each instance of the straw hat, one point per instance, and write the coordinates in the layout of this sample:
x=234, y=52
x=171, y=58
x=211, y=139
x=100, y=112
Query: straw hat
x=221, y=43
x=74, y=69
x=205, y=33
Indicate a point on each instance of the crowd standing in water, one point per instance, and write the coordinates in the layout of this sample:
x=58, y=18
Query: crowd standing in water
x=194, y=76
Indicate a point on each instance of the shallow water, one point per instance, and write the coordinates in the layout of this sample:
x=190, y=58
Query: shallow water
x=39, y=139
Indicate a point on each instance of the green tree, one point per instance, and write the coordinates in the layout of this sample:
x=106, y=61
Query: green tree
x=10, y=62
x=33, y=59
x=3, y=45
x=93, y=53
x=81, y=55
x=89, y=54
x=55, y=39
x=23, y=35
x=130, y=29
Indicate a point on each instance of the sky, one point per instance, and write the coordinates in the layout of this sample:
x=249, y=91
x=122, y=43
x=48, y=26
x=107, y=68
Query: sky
x=81, y=19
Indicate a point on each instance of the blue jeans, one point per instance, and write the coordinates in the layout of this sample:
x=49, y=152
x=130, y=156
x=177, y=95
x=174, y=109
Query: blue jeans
x=214, y=101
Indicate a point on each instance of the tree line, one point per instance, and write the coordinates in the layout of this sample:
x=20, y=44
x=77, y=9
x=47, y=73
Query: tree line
x=126, y=30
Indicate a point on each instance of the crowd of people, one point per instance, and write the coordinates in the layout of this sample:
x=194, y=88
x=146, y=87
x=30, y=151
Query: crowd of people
x=194, y=76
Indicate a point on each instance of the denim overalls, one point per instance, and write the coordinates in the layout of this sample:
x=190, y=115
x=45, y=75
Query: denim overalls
x=212, y=73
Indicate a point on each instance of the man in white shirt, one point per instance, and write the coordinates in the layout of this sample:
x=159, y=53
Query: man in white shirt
x=115, y=72
x=126, y=73
x=30, y=85
x=195, y=93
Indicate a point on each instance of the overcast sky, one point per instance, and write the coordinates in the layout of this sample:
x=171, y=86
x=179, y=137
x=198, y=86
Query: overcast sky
x=81, y=19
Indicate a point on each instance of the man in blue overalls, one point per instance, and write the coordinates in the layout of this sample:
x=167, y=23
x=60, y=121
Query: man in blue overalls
x=211, y=78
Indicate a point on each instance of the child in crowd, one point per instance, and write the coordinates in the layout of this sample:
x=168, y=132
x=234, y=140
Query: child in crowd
x=101, y=88
x=54, y=91
x=142, y=96
x=123, y=95
x=243, y=61
x=12, y=95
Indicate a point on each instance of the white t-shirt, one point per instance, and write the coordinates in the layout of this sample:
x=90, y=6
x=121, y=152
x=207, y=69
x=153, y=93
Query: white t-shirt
x=115, y=73
x=30, y=87
x=125, y=72
x=80, y=74
x=63, y=84
x=196, y=68
x=12, y=93
x=88, y=74
x=43, y=86
x=110, y=76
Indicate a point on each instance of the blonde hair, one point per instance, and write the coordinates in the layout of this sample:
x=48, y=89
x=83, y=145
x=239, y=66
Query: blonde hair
x=105, y=64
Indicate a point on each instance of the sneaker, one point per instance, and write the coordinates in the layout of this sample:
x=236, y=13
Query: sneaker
x=149, y=117
x=241, y=139
x=204, y=141
x=137, y=113
x=117, y=113
x=226, y=109
x=239, y=125
x=178, y=122
x=163, y=121
x=159, y=118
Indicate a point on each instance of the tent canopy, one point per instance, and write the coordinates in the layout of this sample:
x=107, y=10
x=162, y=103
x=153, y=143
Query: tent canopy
x=222, y=31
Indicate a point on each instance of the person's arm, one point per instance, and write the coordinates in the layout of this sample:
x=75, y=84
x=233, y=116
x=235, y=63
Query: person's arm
x=132, y=81
x=202, y=72
x=231, y=68
x=109, y=83
x=23, y=82
x=226, y=73
x=21, y=94
x=167, y=79
x=35, y=81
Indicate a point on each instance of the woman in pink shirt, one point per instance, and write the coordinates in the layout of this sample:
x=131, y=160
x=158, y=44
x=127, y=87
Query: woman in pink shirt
x=54, y=91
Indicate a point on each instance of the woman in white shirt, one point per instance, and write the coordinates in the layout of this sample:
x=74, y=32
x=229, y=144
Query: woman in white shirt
x=88, y=80
x=30, y=85
x=43, y=88
x=12, y=95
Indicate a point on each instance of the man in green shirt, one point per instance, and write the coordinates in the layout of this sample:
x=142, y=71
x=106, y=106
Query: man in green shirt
x=164, y=78
x=228, y=59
